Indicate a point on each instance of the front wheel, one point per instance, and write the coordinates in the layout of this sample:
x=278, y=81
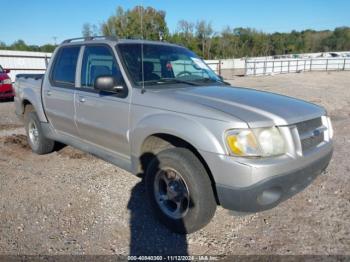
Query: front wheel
x=180, y=190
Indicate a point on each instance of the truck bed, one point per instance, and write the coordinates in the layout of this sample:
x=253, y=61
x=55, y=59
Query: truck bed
x=29, y=86
x=26, y=80
x=26, y=76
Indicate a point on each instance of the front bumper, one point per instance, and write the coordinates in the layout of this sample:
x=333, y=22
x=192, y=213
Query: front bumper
x=258, y=185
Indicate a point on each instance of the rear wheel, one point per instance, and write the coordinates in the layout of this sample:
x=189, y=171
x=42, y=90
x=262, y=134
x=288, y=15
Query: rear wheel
x=180, y=190
x=35, y=135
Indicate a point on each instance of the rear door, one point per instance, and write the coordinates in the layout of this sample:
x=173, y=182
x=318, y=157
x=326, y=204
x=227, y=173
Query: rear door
x=59, y=97
x=102, y=118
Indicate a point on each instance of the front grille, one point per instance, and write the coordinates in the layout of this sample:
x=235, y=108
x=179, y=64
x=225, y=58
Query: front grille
x=309, y=125
x=311, y=133
x=311, y=142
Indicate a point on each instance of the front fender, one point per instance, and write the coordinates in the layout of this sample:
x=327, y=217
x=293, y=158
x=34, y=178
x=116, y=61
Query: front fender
x=186, y=128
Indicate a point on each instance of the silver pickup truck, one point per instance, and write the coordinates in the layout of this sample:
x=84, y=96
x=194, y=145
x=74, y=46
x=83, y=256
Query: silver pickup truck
x=157, y=110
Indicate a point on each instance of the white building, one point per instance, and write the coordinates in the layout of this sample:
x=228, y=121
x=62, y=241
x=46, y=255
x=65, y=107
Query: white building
x=24, y=62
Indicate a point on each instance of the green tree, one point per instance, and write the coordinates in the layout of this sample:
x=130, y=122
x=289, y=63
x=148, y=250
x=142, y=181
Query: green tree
x=201, y=38
x=19, y=45
x=48, y=48
x=3, y=45
x=86, y=31
x=184, y=35
x=204, y=33
x=89, y=30
x=139, y=22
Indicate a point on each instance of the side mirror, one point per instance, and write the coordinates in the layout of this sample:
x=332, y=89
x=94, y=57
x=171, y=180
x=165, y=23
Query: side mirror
x=108, y=84
x=7, y=71
x=221, y=78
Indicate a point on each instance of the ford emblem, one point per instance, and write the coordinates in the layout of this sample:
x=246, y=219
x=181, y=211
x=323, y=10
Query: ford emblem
x=316, y=132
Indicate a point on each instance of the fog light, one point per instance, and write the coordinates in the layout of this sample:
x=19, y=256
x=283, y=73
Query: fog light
x=269, y=196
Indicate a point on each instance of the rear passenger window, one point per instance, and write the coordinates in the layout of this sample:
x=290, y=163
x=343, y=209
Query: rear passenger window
x=63, y=73
x=98, y=61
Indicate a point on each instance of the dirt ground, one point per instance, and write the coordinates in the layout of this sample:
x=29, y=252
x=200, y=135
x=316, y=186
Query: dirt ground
x=69, y=202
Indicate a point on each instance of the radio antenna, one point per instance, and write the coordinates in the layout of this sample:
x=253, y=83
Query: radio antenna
x=142, y=69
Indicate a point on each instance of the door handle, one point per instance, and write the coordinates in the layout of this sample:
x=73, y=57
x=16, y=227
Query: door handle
x=49, y=93
x=82, y=99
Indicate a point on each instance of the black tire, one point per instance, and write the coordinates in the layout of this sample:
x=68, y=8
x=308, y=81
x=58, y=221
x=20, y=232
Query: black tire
x=202, y=203
x=41, y=145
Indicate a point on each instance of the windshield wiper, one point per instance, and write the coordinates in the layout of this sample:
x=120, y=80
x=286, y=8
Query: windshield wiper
x=176, y=80
x=206, y=79
x=170, y=80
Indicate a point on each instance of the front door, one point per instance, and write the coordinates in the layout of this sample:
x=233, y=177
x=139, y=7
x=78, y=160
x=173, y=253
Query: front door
x=102, y=118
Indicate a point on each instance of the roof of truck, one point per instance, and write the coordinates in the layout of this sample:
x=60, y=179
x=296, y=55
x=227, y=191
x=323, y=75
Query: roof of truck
x=114, y=40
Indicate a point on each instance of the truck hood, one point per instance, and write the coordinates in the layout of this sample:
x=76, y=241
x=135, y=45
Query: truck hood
x=256, y=108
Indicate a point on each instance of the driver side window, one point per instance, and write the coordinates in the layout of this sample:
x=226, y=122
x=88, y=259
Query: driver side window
x=98, y=61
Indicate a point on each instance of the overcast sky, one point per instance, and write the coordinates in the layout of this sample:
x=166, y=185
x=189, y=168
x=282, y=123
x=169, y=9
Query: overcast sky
x=39, y=21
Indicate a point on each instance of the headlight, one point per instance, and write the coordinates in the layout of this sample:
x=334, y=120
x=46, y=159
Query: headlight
x=255, y=142
x=271, y=141
x=242, y=143
x=6, y=81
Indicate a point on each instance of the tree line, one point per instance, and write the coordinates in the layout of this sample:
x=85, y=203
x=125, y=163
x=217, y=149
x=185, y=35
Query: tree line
x=149, y=23
x=230, y=42
x=20, y=45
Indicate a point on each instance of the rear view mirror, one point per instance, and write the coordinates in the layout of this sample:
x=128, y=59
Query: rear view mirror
x=108, y=84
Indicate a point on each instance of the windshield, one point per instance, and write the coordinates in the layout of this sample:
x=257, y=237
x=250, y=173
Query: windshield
x=165, y=64
x=1, y=69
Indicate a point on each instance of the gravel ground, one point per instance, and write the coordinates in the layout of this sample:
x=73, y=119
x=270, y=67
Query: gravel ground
x=69, y=202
